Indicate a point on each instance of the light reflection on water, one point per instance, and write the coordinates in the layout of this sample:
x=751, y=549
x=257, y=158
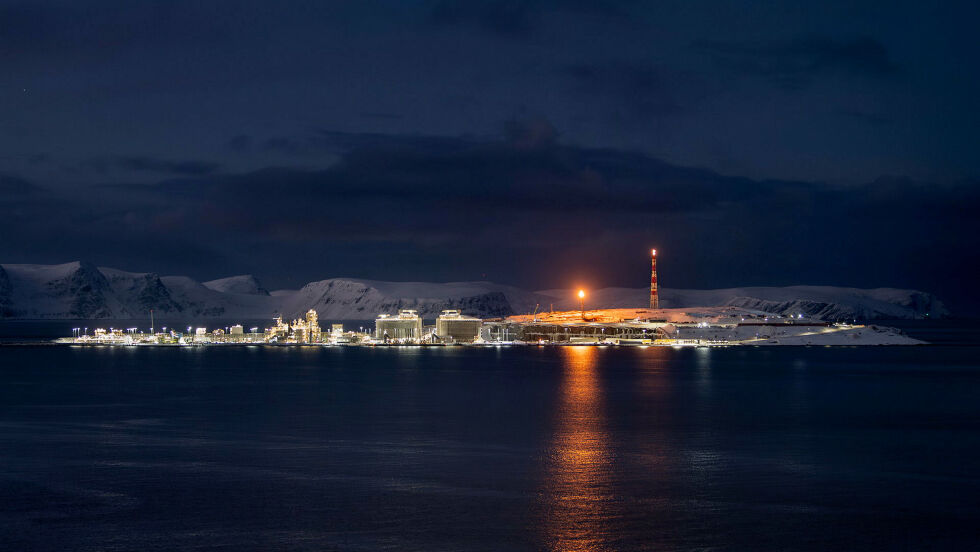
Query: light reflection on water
x=521, y=448
x=577, y=485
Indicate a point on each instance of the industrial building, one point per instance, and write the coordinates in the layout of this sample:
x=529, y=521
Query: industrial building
x=302, y=330
x=654, y=290
x=501, y=331
x=307, y=330
x=573, y=332
x=697, y=326
x=453, y=327
x=278, y=331
x=407, y=326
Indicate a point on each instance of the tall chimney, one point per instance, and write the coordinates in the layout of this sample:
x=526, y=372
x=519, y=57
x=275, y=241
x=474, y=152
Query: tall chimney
x=654, y=296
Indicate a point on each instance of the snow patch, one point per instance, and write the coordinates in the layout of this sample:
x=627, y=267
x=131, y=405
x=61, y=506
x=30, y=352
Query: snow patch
x=245, y=284
x=81, y=290
x=823, y=302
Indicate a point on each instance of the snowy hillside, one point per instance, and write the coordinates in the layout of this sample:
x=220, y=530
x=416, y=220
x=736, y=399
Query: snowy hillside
x=200, y=301
x=82, y=290
x=342, y=298
x=244, y=284
x=70, y=290
x=823, y=302
x=133, y=294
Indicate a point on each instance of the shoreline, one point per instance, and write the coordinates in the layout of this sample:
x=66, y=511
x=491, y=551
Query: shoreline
x=910, y=343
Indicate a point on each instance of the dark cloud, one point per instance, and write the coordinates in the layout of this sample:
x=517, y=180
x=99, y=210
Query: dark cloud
x=15, y=186
x=136, y=163
x=535, y=133
x=795, y=63
x=619, y=74
x=73, y=31
x=644, y=92
x=501, y=17
x=427, y=181
x=241, y=143
x=381, y=115
x=321, y=142
x=865, y=117
x=518, y=18
x=300, y=145
x=528, y=208
x=917, y=202
x=150, y=164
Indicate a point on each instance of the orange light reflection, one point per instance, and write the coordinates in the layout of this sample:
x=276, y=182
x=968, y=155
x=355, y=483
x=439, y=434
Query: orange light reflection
x=578, y=479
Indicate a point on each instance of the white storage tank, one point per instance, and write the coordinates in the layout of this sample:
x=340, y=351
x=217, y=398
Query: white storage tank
x=453, y=327
x=406, y=326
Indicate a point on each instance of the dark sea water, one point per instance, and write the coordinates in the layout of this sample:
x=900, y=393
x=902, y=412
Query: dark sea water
x=563, y=448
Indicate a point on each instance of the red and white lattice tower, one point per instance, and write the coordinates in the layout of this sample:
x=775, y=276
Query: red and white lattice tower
x=654, y=296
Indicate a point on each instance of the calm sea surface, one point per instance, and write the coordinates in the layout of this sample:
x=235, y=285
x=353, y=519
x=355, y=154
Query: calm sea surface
x=564, y=448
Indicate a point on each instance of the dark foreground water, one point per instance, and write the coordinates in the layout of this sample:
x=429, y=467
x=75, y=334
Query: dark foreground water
x=571, y=448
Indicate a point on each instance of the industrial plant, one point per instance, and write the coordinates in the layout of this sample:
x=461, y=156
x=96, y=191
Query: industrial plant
x=653, y=326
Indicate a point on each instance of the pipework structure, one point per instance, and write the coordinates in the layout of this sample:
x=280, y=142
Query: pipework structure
x=654, y=295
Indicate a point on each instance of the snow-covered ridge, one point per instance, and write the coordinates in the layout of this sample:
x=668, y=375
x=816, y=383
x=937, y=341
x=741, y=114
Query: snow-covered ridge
x=246, y=284
x=821, y=302
x=348, y=298
x=82, y=290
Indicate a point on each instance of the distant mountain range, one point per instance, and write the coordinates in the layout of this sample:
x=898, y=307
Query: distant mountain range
x=80, y=290
x=820, y=302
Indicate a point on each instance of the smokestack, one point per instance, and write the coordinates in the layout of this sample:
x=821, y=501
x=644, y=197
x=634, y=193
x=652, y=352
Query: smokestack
x=654, y=296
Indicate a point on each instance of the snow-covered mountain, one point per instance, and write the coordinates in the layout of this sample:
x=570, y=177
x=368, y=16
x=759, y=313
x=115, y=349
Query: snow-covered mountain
x=246, y=284
x=823, y=302
x=82, y=290
x=344, y=298
x=71, y=290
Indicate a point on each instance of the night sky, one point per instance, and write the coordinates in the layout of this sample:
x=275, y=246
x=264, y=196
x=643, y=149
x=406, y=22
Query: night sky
x=538, y=143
